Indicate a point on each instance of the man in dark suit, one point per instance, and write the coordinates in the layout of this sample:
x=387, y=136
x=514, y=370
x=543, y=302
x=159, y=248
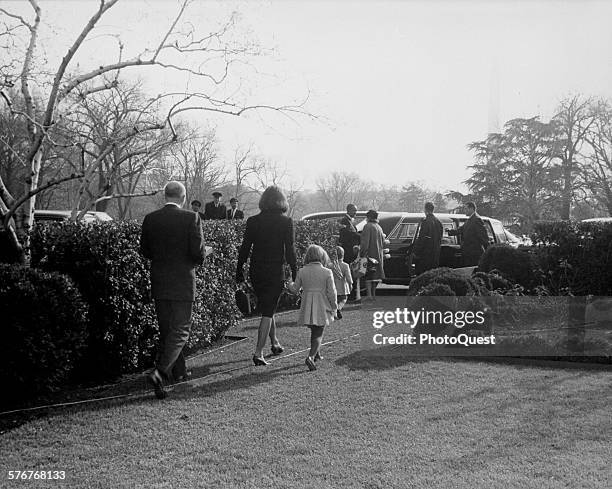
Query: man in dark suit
x=196, y=205
x=427, y=245
x=233, y=212
x=172, y=239
x=474, y=237
x=215, y=209
x=349, y=236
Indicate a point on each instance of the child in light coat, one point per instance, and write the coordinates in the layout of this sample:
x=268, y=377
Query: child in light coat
x=319, y=302
x=342, y=278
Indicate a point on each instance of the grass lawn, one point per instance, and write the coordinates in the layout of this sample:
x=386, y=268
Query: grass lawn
x=365, y=418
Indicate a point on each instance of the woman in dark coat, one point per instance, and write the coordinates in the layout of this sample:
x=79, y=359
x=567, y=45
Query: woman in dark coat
x=269, y=239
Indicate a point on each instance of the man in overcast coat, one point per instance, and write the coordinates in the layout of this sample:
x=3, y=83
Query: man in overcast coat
x=172, y=240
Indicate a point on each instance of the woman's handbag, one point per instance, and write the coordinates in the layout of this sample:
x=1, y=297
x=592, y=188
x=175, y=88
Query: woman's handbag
x=359, y=267
x=243, y=297
x=372, y=265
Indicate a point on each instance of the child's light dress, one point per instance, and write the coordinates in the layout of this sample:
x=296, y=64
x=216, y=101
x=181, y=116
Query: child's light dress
x=319, y=302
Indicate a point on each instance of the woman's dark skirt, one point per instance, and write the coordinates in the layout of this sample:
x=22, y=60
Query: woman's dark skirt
x=267, y=281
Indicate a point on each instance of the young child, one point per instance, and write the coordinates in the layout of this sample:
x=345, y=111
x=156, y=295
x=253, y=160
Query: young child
x=342, y=278
x=319, y=303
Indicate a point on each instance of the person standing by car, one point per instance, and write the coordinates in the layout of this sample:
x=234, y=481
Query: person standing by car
x=427, y=245
x=172, y=239
x=372, y=247
x=215, y=209
x=270, y=235
x=474, y=238
x=349, y=236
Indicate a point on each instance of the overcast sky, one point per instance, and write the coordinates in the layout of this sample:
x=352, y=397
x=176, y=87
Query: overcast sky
x=403, y=86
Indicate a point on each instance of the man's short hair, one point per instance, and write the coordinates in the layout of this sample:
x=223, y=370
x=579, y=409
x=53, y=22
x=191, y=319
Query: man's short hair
x=351, y=207
x=429, y=207
x=196, y=202
x=174, y=190
x=471, y=205
x=233, y=199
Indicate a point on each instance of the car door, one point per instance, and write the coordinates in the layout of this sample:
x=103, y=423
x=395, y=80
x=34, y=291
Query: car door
x=498, y=231
x=450, y=251
x=401, y=237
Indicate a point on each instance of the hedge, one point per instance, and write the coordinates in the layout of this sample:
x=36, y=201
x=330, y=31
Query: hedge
x=459, y=284
x=104, y=261
x=44, y=331
x=576, y=257
x=517, y=265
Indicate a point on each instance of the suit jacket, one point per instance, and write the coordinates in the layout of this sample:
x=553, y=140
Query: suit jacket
x=172, y=239
x=348, y=237
x=238, y=215
x=474, y=237
x=427, y=244
x=271, y=237
x=214, y=212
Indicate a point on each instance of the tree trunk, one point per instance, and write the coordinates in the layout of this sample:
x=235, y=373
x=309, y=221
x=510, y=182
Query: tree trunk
x=566, y=196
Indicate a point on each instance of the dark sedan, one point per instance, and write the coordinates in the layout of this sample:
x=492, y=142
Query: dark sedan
x=401, y=229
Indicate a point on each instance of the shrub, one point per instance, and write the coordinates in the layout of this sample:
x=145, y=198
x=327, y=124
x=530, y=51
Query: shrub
x=458, y=283
x=492, y=281
x=576, y=257
x=104, y=260
x=436, y=290
x=44, y=321
x=514, y=264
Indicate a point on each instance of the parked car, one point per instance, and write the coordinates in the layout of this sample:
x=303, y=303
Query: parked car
x=332, y=216
x=60, y=216
x=401, y=229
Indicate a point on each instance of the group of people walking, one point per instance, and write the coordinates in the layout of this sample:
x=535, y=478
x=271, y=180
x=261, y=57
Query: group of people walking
x=172, y=239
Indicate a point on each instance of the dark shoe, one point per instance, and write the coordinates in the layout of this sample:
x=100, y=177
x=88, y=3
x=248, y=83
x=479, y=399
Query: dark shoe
x=338, y=314
x=277, y=350
x=156, y=380
x=310, y=364
x=318, y=357
x=260, y=361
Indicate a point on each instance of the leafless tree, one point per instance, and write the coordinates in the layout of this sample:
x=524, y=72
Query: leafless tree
x=573, y=120
x=596, y=171
x=211, y=58
x=195, y=161
x=341, y=188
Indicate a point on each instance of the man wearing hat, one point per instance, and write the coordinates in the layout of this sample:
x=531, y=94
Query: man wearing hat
x=215, y=209
x=196, y=205
x=233, y=212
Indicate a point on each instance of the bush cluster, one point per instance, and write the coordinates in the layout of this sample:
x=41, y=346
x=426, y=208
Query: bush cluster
x=458, y=283
x=44, y=331
x=575, y=256
x=105, y=262
x=516, y=265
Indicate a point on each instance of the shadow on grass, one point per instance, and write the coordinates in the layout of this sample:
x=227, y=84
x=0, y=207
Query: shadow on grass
x=140, y=393
x=388, y=357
